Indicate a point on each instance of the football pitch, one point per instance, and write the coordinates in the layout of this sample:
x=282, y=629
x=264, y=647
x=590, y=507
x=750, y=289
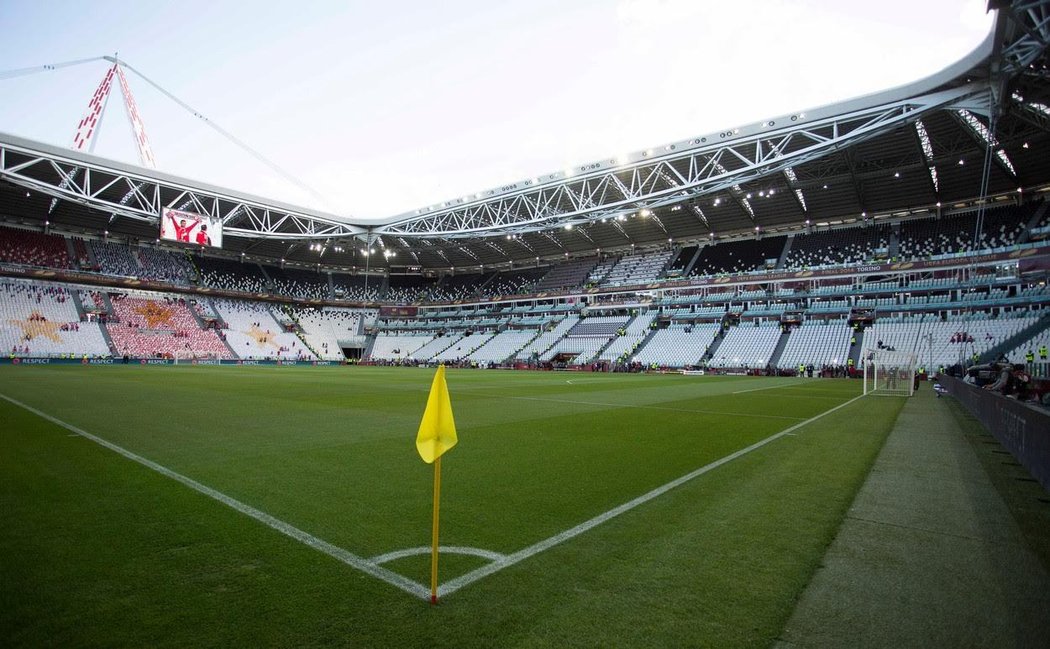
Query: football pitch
x=287, y=506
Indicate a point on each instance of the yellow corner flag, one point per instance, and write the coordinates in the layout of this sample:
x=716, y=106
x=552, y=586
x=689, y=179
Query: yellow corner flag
x=437, y=431
x=437, y=434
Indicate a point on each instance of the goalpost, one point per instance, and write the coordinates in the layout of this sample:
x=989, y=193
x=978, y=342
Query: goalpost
x=889, y=373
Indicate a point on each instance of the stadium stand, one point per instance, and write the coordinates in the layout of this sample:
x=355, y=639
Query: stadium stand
x=586, y=338
x=502, y=346
x=681, y=261
x=513, y=282
x=835, y=247
x=230, y=275
x=640, y=268
x=114, y=259
x=817, y=343
x=323, y=329
x=165, y=266
x=33, y=249
x=463, y=348
x=459, y=287
x=159, y=327
x=360, y=288
x=678, y=345
x=566, y=276
x=299, y=283
x=42, y=320
x=399, y=347
x=742, y=256
x=598, y=274
x=253, y=333
x=406, y=289
x=749, y=345
x=545, y=340
x=956, y=234
x=437, y=345
x=631, y=337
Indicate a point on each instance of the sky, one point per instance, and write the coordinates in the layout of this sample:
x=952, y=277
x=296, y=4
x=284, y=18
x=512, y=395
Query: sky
x=384, y=108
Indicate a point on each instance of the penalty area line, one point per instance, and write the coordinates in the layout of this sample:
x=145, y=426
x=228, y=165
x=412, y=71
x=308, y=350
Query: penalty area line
x=519, y=556
x=349, y=558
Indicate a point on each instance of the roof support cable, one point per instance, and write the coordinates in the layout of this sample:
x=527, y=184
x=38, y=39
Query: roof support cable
x=226, y=134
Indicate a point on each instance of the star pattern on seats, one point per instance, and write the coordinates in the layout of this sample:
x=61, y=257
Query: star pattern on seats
x=35, y=326
x=155, y=314
x=262, y=338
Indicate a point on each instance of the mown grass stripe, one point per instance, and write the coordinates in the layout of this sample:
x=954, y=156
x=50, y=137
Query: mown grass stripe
x=519, y=556
x=287, y=529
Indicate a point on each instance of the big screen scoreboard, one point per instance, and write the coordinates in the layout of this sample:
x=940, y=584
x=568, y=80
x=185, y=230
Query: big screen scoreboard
x=187, y=227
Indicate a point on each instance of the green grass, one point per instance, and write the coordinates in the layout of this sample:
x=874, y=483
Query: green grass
x=98, y=550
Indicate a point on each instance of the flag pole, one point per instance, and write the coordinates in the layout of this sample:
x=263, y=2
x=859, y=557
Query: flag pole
x=434, y=541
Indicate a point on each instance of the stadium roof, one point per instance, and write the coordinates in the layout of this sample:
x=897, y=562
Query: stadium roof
x=979, y=127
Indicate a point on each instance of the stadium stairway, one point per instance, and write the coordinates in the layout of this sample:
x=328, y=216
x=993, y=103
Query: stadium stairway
x=713, y=347
x=692, y=262
x=107, y=304
x=367, y=353
x=78, y=303
x=286, y=318
x=1013, y=341
x=645, y=341
x=72, y=252
x=267, y=280
x=1037, y=216
x=937, y=548
x=201, y=324
x=514, y=355
x=778, y=351
x=612, y=339
x=782, y=261
x=854, y=350
x=895, y=241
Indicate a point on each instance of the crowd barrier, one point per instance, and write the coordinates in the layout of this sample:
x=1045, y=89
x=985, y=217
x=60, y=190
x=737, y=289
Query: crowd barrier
x=1022, y=429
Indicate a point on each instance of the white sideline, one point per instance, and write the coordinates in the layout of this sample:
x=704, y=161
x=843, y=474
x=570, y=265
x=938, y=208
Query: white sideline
x=511, y=559
x=768, y=387
x=372, y=567
x=337, y=553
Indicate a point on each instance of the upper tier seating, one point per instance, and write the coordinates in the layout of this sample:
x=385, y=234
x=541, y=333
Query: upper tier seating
x=955, y=234
x=569, y=275
x=737, y=256
x=294, y=282
x=358, y=288
x=637, y=269
x=231, y=275
x=513, y=282
x=835, y=247
x=406, y=289
x=33, y=249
